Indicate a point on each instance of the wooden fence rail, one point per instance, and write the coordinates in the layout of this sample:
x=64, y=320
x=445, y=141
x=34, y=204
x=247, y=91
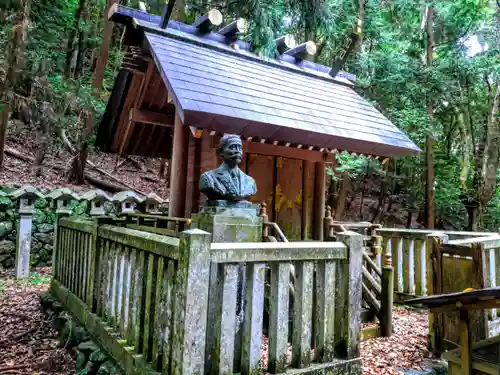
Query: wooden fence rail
x=458, y=265
x=167, y=305
x=411, y=255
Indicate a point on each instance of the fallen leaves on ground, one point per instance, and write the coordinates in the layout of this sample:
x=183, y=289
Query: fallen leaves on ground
x=405, y=349
x=16, y=171
x=28, y=343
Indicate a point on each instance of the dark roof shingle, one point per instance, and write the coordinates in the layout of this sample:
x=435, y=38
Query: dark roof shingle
x=217, y=87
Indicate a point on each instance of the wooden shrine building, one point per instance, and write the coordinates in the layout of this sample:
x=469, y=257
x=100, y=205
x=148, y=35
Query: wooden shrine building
x=182, y=87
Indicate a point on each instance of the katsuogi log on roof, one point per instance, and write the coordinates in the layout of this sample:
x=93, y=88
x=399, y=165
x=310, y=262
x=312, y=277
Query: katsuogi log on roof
x=214, y=82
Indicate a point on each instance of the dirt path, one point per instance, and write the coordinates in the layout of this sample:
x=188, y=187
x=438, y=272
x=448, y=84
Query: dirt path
x=28, y=343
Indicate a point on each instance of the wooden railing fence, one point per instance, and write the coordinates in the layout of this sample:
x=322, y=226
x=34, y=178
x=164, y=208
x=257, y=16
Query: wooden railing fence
x=411, y=254
x=458, y=265
x=167, y=304
x=159, y=224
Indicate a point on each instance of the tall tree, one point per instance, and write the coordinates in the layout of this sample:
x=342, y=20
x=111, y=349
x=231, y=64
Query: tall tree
x=71, y=51
x=15, y=63
x=102, y=60
x=430, y=174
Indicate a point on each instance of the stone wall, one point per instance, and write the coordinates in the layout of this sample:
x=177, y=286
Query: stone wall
x=42, y=238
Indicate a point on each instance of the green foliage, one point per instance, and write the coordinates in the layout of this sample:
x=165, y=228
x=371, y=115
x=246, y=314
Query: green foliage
x=38, y=279
x=389, y=62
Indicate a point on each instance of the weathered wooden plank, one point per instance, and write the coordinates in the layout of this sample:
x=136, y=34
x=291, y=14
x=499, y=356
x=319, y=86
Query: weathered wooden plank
x=261, y=252
x=169, y=285
x=87, y=261
x=150, y=242
x=73, y=261
x=223, y=352
x=74, y=224
x=410, y=282
x=114, y=286
x=254, y=317
x=420, y=268
x=192, y=285
x=497, y=271
x=108, y=276
x=139, y=298
x=302, y=322
x=491, y=280
x=101, y=290
x=126, y=293
x=94, y=267
x=215, y=298
x=397, y=256
x=119, y=289
x=325, y=311
x=83, y=265
x=149, y=308
x=132, y=306
x=348, y=303
x=63, y=272
x=159, y=311
x=278, y=317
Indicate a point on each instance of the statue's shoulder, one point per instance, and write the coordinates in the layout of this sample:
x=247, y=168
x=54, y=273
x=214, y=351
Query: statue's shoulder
x=207, y=179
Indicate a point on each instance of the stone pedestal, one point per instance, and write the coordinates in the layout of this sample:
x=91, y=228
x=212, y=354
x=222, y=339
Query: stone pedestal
x=228, y=222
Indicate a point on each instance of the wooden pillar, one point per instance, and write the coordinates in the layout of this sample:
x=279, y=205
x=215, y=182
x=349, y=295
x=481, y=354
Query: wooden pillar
x=306, y=204
x=319, y=201
x=178, y=168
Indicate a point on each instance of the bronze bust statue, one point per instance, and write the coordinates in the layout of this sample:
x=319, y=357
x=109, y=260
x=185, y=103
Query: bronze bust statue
x=228, y=182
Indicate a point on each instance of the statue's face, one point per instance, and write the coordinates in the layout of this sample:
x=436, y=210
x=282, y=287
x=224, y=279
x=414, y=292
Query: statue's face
x=232, y=153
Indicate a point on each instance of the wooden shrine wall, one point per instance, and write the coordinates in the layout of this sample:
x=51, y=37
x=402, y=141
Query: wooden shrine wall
x=288, y=189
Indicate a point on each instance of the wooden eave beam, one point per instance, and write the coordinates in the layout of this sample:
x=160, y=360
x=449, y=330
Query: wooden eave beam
x=153, y=118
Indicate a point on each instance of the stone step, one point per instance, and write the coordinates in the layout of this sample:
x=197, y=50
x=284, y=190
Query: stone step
x=431, y=367
x=367, y=315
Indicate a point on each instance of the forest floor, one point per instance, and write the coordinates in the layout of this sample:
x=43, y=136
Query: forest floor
x=29, y=344
x=134, y=173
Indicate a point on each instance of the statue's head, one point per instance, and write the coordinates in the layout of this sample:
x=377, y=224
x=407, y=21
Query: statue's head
x=231, y=149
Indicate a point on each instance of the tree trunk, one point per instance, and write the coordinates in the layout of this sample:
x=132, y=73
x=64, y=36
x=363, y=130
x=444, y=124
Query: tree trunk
x=429, y=142
x=43, y=143
x=341, y=201
x=77, y=173
x=102, y=60
x=362, y=201
x=70, y=47
x=80, y=55
x=4, y=121
x=491, y=155
x=14, y=63
x=384, y=188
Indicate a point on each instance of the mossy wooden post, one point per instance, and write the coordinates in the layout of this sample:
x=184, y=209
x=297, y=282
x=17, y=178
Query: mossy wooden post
x=434, y=287
x=349, y=297
x=26, y=197
x=386, y=297
x=228, y=222
x=191, y=303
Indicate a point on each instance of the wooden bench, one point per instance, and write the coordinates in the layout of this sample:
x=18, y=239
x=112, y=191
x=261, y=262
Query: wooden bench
x=479, y=358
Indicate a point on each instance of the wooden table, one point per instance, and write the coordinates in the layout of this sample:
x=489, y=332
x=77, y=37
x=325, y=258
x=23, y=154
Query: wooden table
x=478, y=358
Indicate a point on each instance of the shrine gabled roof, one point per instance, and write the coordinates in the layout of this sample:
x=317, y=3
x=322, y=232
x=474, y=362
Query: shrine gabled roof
x=217, y=87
